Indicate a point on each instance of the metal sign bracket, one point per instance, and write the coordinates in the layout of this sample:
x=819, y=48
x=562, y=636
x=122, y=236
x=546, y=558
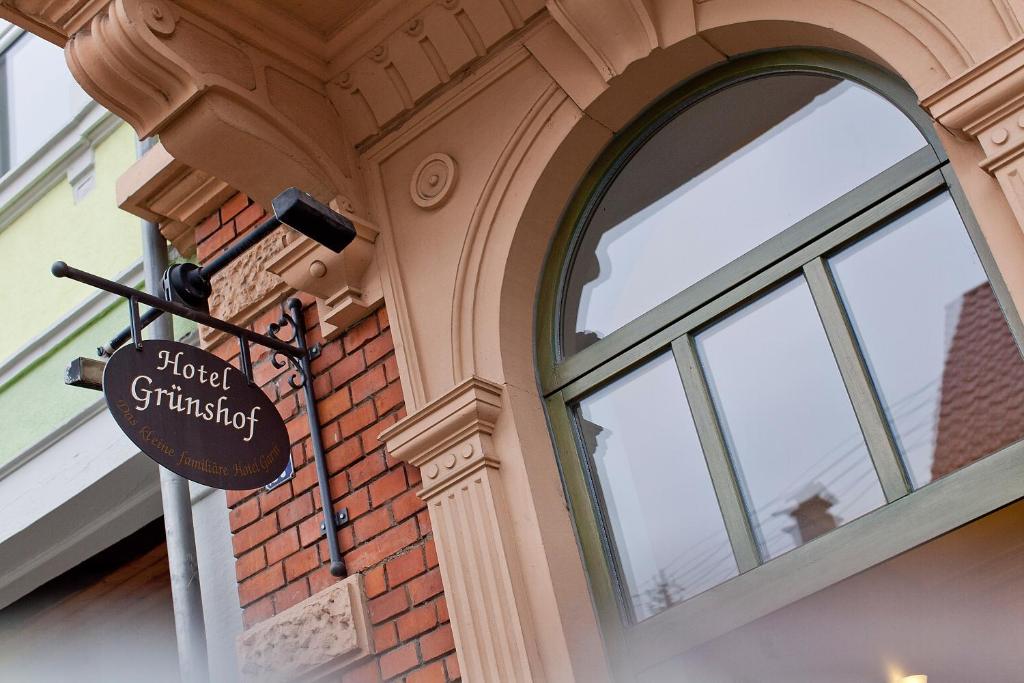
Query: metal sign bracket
x=286, y=339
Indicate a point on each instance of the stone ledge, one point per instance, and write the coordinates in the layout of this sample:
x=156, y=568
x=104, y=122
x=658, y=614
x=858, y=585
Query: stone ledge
x=317, y=637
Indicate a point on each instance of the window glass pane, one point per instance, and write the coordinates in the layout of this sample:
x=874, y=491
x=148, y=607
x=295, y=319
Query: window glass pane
x=947, y=369
x=722, y=177
x=42, y=97
x=788, y=422
x=658, y=497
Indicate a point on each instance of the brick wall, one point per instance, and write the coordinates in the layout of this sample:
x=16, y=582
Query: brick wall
x=281, y=555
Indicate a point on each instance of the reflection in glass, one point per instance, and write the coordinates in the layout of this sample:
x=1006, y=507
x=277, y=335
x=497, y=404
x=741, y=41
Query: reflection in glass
x=787, y=419
x=664, y=516
x=722, y=177
x=941, y=355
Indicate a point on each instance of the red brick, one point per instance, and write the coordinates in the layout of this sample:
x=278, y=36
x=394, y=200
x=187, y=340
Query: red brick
x=360, y=333
x=309, y=531
x=442, y=609
x=321, y=579
x=334, y=405
x=302, y=562
x=298, y=428
x=388, y=605
x=434, y=673
x=405, y=567
x=372, y=381
x=246, y=513
x=451, y=663
x=250, y=563
x=347, y=368
x=437, y=643
x=382, y=318
x=358, y=418
x=412, y=474
x=253, y=535
x=298, y=509
x=381, y=547
x=423, y=519
x=391, y=368
x=431, y=551
x=264, y=371
x=407, y=505
x=272, y=499
x=209, y=225
x=305, y=478
x=385, y=637
x=388, y=486
x=357, y=503
x=419, y=620
x=232, y=206
x=377, y=348
x=343, y=455
x=258, y=611
x=282, y=545
x=371, y=524
x=399, y=661
x=236, y=497
x=370, y=437
x=374, y=582
x=388, y=399
x=290, y=595
x=425, y=587
x=267, y=581
x=365, y=673
x=366, y=469
x=248, y=216
x=215, y=242
x=329, y=355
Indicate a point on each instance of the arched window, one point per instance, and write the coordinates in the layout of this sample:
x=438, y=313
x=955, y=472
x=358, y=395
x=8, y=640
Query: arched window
x=769, y=316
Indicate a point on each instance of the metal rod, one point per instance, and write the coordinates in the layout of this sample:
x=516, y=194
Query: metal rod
x=207, y=272
x=182, y=559
x=61, y=269
x=124, y=335
x=239, y=247
x=330, y=523
x=243, y=359
x=133, y=324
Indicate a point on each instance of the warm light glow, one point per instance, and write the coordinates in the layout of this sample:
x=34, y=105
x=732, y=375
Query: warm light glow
x=918, y=678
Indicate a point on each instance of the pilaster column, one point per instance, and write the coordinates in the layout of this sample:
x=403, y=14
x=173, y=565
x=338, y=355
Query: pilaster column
x=450, y=441
x=987, y=104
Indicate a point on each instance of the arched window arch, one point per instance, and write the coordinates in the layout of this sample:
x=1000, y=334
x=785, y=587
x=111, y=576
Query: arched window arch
x=768, y=317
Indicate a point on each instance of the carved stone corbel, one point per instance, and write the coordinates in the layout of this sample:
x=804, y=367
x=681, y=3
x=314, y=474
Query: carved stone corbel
x=347, y=286
x=223, y=100
x=450, y=441
x=987, y=104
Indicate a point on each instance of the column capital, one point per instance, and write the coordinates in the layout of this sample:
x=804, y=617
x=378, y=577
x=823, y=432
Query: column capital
x=449, y=438
x=986, y=103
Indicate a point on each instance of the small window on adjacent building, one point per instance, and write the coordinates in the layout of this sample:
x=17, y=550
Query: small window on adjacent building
x=774, y=321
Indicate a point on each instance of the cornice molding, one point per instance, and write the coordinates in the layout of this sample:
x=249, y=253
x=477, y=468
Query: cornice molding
x=974, y=100
x=449, y=438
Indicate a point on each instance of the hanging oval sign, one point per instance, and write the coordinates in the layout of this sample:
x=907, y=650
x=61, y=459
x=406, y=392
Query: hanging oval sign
x=196, y=415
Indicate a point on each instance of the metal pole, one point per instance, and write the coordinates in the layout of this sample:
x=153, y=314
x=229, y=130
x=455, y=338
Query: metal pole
x=177, y=502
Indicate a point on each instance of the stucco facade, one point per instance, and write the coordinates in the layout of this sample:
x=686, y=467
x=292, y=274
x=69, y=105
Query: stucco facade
x=455, y=134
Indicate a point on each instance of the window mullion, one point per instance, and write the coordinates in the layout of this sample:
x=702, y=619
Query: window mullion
x=866, y=405
x=723, y=476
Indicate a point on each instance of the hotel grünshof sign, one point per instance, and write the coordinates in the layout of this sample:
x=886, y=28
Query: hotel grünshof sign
x=196, y=414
